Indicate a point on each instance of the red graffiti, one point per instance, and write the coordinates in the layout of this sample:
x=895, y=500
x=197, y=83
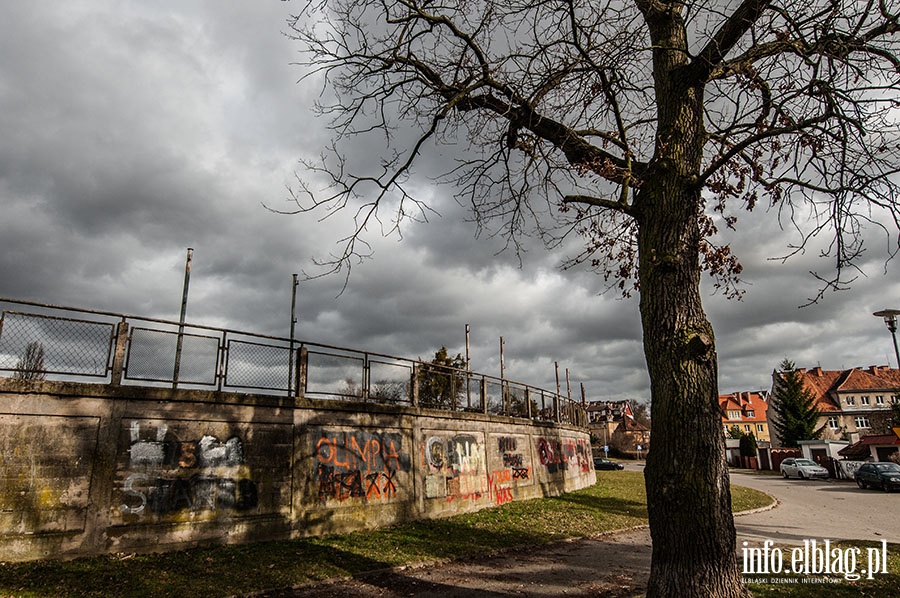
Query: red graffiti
x=498, y=493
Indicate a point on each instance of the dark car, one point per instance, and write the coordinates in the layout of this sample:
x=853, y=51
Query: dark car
x=607, y=464
x=880, y=474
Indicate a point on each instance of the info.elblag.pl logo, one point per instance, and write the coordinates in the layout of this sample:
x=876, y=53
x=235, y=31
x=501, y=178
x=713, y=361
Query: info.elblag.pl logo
x=815, y=557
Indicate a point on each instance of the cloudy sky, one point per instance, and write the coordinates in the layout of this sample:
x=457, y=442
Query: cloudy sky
x=130, y=131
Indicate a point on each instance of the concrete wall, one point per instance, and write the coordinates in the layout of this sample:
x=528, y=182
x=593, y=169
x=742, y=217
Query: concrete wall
x=88, y=469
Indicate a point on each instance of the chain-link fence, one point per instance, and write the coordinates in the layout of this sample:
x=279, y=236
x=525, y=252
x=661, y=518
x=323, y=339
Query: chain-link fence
x=33, y=345
x=46, y=343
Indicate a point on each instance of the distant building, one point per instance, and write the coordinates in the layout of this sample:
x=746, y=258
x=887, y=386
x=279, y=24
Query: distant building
x=853, y=403
x=613, y=423
x=747, y=411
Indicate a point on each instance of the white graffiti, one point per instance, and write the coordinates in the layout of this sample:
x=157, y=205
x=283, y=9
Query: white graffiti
x=209, y=451
x=131, y=492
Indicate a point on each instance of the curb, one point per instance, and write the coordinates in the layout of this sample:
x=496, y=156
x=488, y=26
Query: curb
x=775, y=504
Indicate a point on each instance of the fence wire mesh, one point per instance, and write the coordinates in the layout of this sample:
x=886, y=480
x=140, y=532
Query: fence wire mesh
x=255, y=365
x=33, y=345
x=390, y=382
x=151, y=355
x=335, y=375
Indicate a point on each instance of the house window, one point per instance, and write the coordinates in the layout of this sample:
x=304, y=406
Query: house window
x=862, y=421
x=833, y=422
x=864, y=400
x=851, y=400
x=751, y=414
x=746, y=428
x=895, y=399
x=760, y=428
x=734, y=415
x=879, y=399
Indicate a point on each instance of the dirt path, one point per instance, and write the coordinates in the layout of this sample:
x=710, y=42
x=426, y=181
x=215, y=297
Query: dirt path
x=611, y=565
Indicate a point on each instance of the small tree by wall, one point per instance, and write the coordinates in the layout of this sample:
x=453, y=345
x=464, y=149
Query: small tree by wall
x=748, y=445
x=31, y=365
x=441, y=380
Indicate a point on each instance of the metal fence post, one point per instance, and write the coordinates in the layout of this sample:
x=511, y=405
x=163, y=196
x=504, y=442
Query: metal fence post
x=414, y=386
x=484, y=400
x=222, y=374
x=302, y=371
x=366, y=378
x=184, y=298
x=118, y=364
x=293, y=324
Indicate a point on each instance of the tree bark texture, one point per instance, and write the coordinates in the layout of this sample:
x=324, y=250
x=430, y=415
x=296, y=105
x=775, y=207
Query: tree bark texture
x=688, y=491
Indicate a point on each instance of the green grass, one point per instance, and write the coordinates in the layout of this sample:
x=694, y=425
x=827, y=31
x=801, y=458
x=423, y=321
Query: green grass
x=617, y=501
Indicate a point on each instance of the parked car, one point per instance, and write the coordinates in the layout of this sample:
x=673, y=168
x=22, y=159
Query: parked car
x=880, y=474
x=601, y=463
x=803, y=469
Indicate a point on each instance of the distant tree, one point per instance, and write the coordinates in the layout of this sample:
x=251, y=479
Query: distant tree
x=383, y=390
x=442, y=380
x=351, y=389
x=641, y=412
x=31, y=365
x=735, y=432
x=884, y=421
x=621, y=445
x=388, y=391
x=794, y=407
x=748, y=445
x=517, y=405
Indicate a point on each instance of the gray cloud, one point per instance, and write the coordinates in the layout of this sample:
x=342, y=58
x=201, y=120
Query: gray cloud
x=132, y=132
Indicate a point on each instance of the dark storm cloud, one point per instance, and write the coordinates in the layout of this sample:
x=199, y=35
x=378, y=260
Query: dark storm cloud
x=132, y=131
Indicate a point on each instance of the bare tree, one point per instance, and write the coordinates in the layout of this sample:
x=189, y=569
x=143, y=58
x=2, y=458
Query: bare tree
x=644, y=126
x=31, y=365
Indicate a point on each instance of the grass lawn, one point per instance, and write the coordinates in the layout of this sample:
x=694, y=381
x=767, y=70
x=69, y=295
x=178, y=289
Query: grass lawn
x=617, y=501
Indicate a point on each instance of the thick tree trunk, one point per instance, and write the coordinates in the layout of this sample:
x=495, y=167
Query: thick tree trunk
x=688, y=490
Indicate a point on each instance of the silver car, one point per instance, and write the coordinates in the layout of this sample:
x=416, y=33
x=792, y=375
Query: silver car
x=803, y=469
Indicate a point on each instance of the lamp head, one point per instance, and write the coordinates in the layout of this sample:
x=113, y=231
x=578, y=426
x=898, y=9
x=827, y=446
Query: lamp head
x=890, y=318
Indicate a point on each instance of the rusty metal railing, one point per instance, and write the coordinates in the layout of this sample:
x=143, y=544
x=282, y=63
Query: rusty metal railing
x=39, y=340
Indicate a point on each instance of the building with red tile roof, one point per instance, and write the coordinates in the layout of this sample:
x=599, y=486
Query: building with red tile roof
x=747, y=411
x=613, y=422
x=853, y=403
x=875, y=447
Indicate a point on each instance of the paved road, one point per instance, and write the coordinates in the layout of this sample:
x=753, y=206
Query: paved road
x=808, y=509
x=618, y=565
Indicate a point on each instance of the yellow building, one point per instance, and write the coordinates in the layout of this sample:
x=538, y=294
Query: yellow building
x=747, y=411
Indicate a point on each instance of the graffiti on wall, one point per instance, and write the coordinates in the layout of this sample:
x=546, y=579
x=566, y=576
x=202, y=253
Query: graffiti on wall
x=455, y=467
x=511, y=456
x=206, y=474
x=557, y=455
x=358, y=464
x=512, y=468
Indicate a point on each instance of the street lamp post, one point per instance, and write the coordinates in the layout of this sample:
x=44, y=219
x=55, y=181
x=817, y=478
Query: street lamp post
x=890, y=320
